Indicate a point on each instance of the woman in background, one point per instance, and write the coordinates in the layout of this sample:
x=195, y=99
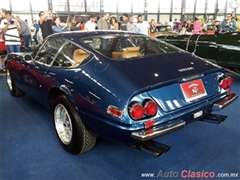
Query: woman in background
x=113, y=23
x=56, y=27
x=152, y=28
x=74, y=25
x=196, y=26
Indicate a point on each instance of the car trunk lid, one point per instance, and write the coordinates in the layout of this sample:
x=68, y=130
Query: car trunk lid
x=158, y=69
x=175, y=80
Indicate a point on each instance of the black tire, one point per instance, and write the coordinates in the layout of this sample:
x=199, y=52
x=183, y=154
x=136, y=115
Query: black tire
x=12, y=87
x=65, y=117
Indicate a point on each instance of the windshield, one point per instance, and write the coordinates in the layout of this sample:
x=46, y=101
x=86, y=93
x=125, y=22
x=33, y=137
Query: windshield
x=122, y=46
x=163, y=28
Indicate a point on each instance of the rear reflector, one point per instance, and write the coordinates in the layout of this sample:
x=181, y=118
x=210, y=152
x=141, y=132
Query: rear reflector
x=230, y=92
x=114, y=111
x=149, y=124
x=148, y=131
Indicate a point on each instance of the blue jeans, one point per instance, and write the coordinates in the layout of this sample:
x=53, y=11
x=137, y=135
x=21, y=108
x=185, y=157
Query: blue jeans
x=26, y=40
x=13, y=48
x=1, y=63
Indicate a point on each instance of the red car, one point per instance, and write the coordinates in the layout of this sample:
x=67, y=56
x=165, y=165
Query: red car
x=3, y=48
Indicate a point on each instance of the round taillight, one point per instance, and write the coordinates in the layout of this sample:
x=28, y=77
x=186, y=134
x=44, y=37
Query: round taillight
x=136, y=111
x=230, y=81
x=226, y=82
x=151, y=108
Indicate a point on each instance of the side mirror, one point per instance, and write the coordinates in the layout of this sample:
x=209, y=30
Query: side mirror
x=28, y=57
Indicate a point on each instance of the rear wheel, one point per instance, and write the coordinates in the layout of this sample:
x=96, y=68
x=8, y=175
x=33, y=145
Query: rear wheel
x=14, y=90
x=72, y=133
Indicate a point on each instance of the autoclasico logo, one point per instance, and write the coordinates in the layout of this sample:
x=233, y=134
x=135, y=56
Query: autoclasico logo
x=186, y=174
x=189, y=174
x=198, y=174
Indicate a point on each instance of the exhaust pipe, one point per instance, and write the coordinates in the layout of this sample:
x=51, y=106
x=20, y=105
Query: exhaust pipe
x=214, y=118
x=152, y=147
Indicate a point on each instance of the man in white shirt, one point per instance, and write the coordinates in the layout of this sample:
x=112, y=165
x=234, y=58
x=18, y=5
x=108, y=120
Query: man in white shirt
x=91, y=25
x=11, y=29
x=143, y=27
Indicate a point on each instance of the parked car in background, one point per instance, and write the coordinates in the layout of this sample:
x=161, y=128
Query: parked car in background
x=210, y=29
x=164, y=29
x=3, y=49
x=123, y=87
x=224, y=48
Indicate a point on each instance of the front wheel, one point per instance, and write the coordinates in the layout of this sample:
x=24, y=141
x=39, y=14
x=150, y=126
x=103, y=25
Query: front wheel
x=72, y=133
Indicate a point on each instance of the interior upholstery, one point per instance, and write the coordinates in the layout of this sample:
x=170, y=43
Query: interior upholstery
x=130, y=52
x=117, y=55
x=78, y=56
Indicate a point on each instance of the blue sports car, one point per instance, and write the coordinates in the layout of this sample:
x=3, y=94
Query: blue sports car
x=123, y=87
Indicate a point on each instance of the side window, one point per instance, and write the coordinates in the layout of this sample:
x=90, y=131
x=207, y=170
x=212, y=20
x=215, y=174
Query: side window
x=70, y=56
x=48, y=51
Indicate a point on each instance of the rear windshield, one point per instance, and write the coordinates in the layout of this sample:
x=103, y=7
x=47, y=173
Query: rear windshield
x=124, y=46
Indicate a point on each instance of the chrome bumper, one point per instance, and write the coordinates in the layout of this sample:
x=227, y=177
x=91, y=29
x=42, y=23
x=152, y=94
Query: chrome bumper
x=158, y=131
x=225, y=102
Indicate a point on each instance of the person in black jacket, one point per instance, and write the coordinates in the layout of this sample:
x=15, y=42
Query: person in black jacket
x=45, y=23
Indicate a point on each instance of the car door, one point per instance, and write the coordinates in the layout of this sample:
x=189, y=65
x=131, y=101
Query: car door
x=34, y=75
x=206, y=47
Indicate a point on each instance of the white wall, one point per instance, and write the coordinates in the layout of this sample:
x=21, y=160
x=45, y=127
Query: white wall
x=149, y=17
x=164, y=18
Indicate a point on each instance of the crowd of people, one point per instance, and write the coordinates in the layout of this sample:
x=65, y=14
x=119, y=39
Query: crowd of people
x=14, y=28
x=196, y=26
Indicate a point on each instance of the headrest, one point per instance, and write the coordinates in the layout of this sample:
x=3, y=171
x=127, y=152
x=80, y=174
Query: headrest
x=80, y=52
x=131, y=49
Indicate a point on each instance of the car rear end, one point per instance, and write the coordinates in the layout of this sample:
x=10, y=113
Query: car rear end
x=164, y=89
x=180, y=103
x=182, y=89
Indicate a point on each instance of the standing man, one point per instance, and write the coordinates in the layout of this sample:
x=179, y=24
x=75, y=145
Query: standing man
x=143, y=26
x=104, y=25
x=91, y=25
x=124, y=22
x=11, y=30
x=103, y=22
x=130, y=25
x=25, y=32
x=36, y=26
x=45, y=23
x=228, y=24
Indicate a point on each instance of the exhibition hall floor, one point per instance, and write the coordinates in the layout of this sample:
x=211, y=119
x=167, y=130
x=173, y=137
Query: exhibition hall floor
x=29, y=148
